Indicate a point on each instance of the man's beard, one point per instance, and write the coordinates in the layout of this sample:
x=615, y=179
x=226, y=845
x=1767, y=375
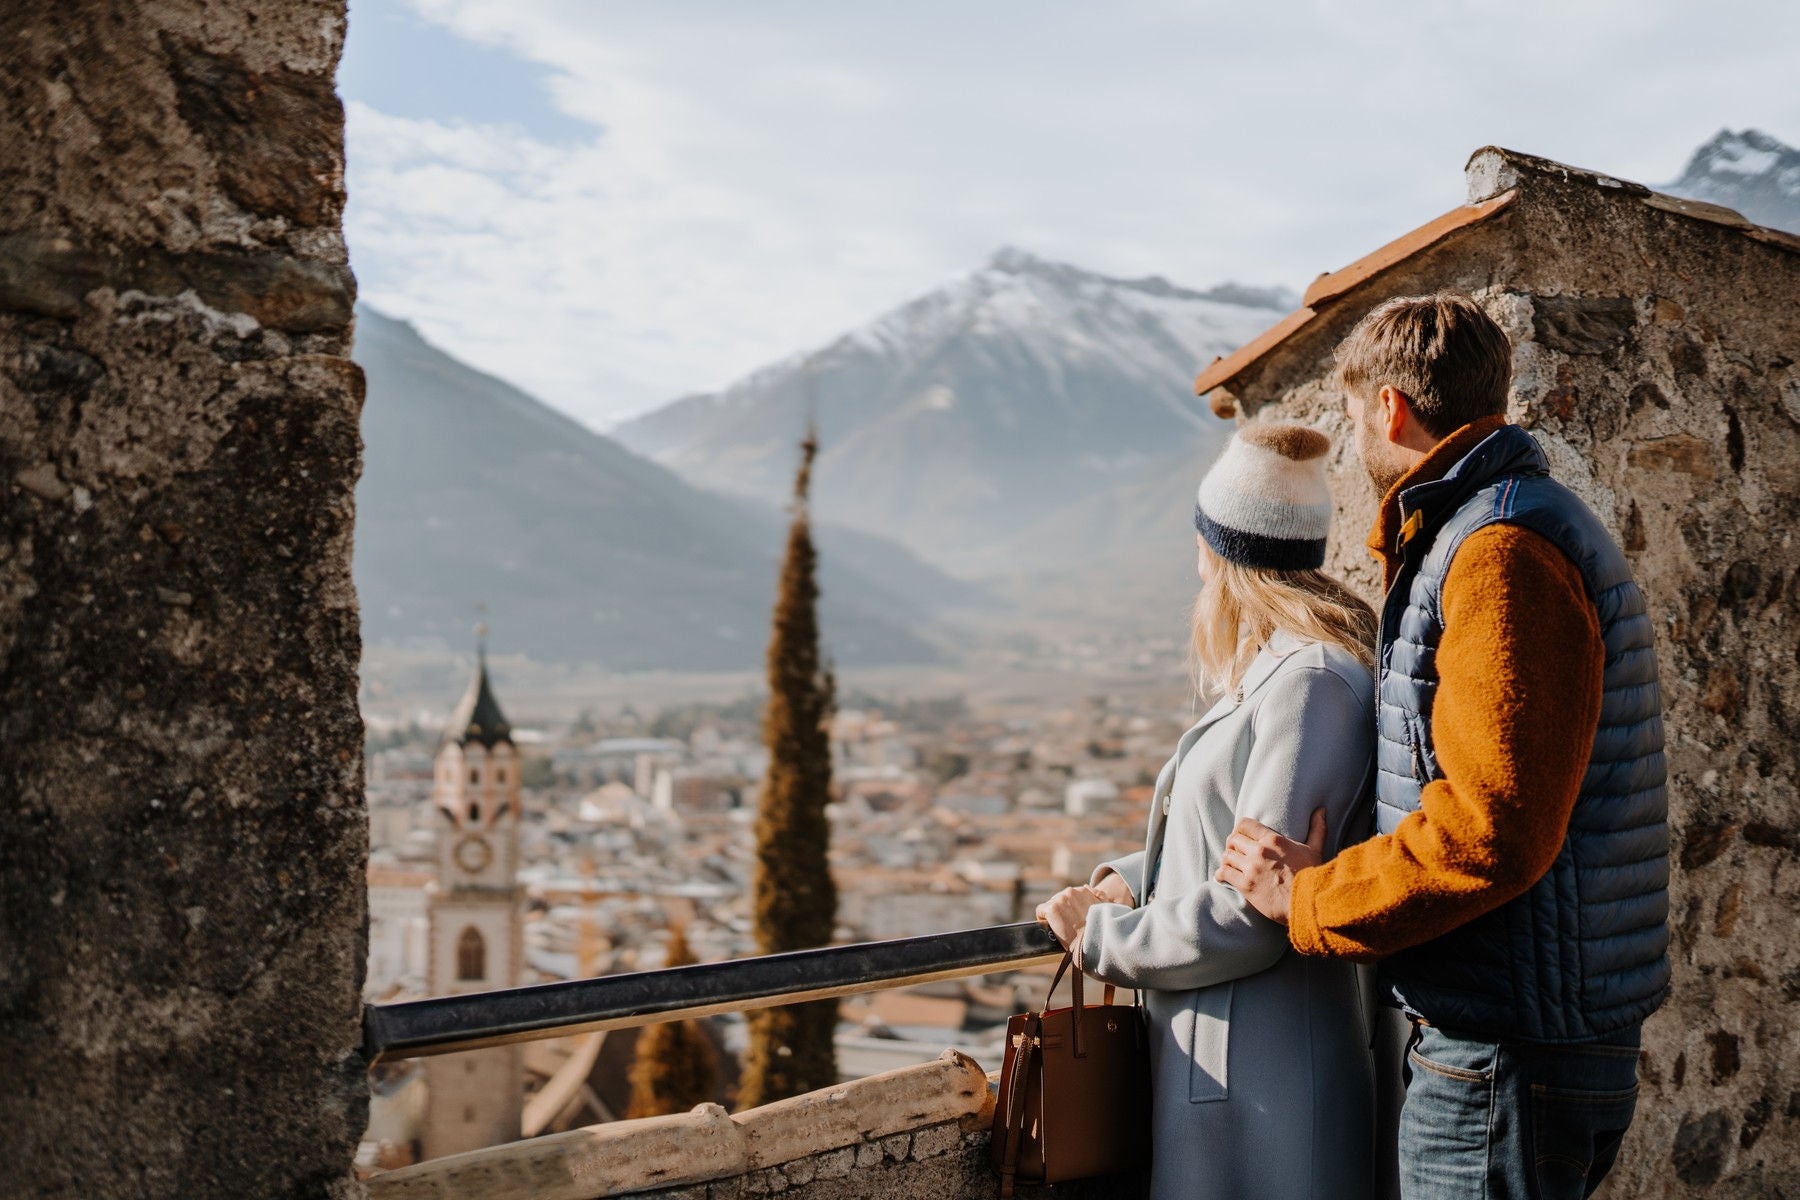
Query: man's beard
x=1384, y=471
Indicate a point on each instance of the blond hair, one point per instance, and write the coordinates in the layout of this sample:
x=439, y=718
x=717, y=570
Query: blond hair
x=1241, y=607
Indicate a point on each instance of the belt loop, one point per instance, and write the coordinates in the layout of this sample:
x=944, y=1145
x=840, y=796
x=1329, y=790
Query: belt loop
x=1413, y=1039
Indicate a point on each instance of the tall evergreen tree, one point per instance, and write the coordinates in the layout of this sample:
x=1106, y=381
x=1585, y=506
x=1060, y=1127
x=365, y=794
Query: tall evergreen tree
x=793, y=897
x=675, y=1067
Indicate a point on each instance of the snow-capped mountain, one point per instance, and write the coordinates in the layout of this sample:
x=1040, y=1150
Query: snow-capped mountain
x=958, y=421
x=1749, y=171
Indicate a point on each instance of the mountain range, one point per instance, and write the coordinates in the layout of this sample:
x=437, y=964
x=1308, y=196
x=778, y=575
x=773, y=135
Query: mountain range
x=1017, y=446
x=472, y=491
x=987, y=425
x=1750, y=171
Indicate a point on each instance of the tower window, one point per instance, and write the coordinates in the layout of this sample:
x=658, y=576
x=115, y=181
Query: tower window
x=500, y=775
x=471, y=955
x=475, y=811
x=474, y=774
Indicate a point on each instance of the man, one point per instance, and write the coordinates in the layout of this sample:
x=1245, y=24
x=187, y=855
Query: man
x=1516, y=893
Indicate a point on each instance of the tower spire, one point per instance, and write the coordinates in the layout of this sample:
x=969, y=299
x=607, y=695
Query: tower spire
x=477, y=718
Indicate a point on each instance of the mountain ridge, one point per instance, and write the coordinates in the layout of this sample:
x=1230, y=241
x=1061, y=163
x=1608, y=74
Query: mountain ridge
x=955, y=420
x=583, y=551
x=1750, y=171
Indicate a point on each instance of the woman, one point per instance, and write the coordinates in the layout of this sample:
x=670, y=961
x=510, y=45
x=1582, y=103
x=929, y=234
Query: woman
x=1259, y=1058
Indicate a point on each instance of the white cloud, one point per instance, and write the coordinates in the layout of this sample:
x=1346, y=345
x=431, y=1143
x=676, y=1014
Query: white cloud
x=764, y=176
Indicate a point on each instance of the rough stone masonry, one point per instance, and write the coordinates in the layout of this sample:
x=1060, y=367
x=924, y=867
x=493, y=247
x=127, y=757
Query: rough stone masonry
x=182, y=836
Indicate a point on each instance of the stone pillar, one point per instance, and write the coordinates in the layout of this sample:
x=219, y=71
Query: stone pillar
x=182, y=834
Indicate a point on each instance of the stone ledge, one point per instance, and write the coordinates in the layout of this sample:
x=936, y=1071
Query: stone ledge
x=51, y=276
x=909, y=1114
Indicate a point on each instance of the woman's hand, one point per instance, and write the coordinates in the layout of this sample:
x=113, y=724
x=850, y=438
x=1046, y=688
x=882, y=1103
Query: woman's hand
x=1112, y=889
x=1066, y=913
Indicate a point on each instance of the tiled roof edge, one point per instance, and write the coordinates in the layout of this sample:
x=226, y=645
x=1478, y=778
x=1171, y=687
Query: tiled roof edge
x=1494, y=178
x=1492, y=169
x=1328, y=287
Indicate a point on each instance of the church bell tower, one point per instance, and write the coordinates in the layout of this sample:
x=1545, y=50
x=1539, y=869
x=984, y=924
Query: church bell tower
x=476, y=935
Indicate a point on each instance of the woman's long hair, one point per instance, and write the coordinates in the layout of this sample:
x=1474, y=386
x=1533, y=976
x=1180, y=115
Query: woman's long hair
x=1240, y=607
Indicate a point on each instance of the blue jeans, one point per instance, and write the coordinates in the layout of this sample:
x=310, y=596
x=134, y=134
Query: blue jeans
x=1487, y=1120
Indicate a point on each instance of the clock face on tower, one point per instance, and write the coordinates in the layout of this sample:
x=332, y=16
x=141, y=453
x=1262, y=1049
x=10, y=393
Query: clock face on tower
x=473, y=853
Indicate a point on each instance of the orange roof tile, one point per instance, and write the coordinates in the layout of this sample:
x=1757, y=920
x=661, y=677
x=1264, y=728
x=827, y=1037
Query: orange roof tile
x=1332, y=284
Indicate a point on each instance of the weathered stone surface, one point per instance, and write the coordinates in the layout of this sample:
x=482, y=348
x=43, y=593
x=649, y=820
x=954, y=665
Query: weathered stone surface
x=52, y=276
x=1656, y=357
x=934, y=1140
x=182, y=838
x=274, y=135
x=1583, y=324
x=961, y=1173
x=670, y=1153
x=1699, y=1151
x=921, y=1111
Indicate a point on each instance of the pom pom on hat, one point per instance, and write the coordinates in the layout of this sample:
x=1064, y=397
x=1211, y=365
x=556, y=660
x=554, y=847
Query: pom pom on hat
x=1265, y=502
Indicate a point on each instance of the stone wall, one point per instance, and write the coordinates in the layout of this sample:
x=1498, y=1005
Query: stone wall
x=182, y=838
x=1655, y=360
x=944, y=1162
x=916, y=1131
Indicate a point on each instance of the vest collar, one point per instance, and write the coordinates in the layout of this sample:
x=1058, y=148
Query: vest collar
x=1460, y=465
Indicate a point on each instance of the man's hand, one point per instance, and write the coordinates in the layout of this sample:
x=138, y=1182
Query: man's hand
x=1262, y=864
x=1066, y=913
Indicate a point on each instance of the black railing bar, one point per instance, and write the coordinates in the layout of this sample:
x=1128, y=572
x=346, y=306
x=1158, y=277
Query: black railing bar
x=446, y=1024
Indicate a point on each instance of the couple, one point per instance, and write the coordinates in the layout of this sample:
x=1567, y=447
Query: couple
x=1467, y=792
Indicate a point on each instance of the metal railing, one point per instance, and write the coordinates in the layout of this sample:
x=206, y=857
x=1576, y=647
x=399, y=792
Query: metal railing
x=446, y=1024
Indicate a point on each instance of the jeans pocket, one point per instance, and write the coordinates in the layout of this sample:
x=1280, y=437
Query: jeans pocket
x=1208, y=1077
x=1468, y=1074
x=1447, y=1118
x=1575, y=1136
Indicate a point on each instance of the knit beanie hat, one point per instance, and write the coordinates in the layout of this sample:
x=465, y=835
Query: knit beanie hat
x=1265, y=502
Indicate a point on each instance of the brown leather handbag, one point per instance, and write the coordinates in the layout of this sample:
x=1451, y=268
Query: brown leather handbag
x=1074, y=1092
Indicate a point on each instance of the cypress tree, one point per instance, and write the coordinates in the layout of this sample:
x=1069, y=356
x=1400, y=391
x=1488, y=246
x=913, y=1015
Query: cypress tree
x=675, y=1067
x=794, y=901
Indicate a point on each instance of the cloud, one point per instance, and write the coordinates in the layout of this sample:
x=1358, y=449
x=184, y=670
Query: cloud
x=761, y=177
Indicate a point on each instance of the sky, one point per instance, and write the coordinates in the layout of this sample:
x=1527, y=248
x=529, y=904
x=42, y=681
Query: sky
x=612, y=205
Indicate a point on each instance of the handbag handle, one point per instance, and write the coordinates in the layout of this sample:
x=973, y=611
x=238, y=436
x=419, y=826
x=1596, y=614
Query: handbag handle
x=1029, y=1044
x=1068, y=961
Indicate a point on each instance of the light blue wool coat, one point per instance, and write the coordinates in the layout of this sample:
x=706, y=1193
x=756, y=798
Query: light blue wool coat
x=1260, y=1057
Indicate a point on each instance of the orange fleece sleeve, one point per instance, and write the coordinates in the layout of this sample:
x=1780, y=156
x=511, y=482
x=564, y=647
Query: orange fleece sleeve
x=1518, y=705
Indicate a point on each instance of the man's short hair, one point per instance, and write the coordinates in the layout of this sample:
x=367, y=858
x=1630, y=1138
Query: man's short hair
x=1441, y=351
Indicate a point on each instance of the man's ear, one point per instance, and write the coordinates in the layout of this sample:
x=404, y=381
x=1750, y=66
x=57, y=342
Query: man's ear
x=1396, y=415
x=1400, y=424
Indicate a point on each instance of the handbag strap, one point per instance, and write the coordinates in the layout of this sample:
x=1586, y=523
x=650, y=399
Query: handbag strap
x=1068, y=960
x=1028, y=1045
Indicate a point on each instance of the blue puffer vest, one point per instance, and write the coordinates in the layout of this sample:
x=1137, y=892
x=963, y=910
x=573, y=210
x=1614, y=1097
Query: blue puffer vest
x=1583, y=952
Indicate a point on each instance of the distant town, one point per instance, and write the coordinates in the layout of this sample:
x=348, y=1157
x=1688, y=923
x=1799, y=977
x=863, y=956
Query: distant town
x=631, y=822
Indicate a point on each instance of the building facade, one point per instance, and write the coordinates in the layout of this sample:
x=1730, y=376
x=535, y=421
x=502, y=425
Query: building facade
x=475, y=939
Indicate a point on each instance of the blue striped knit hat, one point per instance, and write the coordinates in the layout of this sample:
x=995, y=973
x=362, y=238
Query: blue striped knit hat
x=1265, y=502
